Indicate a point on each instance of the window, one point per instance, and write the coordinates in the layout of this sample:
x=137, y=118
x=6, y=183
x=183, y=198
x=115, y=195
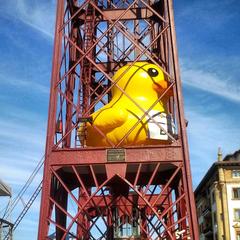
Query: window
x=238, y=235
x=213, y=197
x=236, y=193
x=236, y=173
x=237, y=214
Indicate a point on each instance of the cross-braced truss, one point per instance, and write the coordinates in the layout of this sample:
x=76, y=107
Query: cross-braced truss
x=136, y=192
x=97, y=38
x=149, y=204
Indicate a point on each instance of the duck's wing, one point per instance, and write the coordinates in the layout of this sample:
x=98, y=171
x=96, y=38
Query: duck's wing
x=109, y=118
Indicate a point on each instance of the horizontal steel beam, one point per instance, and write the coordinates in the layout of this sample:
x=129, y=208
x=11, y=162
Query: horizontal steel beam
x=113, y=14
x=133, y=14
x=168, y=153
x=103, y=201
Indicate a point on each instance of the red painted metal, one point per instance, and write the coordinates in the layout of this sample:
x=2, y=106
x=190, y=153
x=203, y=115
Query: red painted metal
x=146, y=191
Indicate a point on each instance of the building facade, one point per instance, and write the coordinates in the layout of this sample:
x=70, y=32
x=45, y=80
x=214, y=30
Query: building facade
x=218, y=200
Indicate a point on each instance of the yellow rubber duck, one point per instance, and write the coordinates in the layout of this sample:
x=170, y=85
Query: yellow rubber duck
x=143, y=83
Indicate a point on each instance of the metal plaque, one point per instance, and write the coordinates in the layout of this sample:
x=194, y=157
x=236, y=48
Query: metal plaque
x=116, y=155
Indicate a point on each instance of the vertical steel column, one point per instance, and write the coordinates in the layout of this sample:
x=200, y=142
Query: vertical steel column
x=187, y=178
x=46, y=206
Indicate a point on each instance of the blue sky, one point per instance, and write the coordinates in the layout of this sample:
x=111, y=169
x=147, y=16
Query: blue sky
x=208, y=37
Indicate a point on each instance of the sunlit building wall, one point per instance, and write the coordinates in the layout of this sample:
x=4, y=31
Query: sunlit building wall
x=218, y=200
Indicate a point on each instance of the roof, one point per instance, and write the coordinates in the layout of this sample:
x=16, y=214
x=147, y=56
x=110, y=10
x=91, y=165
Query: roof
x=5, y=190
x=229, y=160
x=233, y=157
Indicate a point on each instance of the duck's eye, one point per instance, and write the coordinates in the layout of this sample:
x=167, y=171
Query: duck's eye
x=152, y=72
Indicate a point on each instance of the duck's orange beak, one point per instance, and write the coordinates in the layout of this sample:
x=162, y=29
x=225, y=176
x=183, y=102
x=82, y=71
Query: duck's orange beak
x=160, y=86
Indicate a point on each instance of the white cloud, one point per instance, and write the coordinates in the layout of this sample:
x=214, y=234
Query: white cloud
x=12, y=81
x=206, y=133
x=211, y=14
x=40, y=16
x=22, y=140
x=211, y=82
x=223, y=72
x=18, y=133
x=18, y=176
x=22, y=115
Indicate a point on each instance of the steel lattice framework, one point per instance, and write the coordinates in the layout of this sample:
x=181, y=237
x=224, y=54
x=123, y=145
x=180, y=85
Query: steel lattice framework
x=119, y=192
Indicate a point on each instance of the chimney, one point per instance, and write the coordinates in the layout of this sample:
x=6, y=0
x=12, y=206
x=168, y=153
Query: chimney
x=219, y=154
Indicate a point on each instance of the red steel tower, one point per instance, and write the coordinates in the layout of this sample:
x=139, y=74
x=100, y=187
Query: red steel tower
x=118, y=191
